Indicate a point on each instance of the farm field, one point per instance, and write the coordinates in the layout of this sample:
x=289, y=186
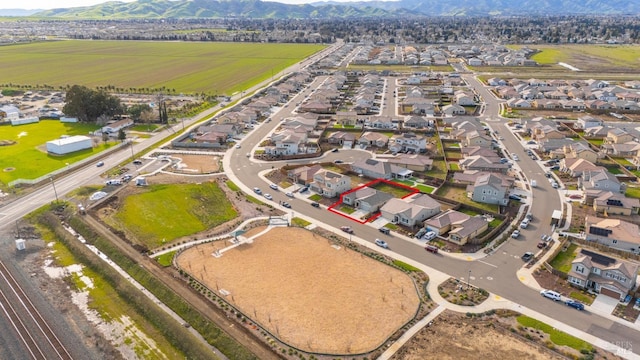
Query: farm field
x=28, y=157
x=592, y=58
x=336, y=300
x=214, y=68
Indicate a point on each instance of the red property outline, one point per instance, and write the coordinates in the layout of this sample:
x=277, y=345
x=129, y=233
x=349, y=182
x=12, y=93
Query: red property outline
x=370, y=183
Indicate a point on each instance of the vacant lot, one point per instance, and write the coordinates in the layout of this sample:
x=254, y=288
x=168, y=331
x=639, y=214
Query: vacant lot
x=198, y=164
x=308, y=293
x=188, y=67
x=27, y=158
x=160, y=213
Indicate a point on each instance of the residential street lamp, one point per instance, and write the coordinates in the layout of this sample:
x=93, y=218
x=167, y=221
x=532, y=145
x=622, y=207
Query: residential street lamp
x=469, y=280
x=54, y=187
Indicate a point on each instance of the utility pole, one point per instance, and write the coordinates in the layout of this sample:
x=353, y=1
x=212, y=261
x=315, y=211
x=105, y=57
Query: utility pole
x=469, y=280
x=54, y=187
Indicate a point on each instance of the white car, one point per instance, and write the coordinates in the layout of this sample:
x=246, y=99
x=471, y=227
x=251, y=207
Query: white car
x=273, y=186
x=237, y=146
x=550, y=294
x=382, y=243
x=430, y=235
x=515, y=234
x=268, y=196
x=257, y=190
x=515, y=157
x=289, y=194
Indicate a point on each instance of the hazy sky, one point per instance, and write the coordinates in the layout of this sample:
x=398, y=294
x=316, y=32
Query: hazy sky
x=50, y=4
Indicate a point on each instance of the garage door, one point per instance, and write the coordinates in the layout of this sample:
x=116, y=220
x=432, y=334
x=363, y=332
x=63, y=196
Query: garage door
x=610, y=293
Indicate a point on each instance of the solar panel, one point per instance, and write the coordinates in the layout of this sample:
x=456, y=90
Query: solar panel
x=599, y=231
x=598, y=258
x=614, y=202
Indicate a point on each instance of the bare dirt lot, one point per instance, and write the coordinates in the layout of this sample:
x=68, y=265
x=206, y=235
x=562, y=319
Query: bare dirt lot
x=455, y=336
x=197, y=164
x=311, y=295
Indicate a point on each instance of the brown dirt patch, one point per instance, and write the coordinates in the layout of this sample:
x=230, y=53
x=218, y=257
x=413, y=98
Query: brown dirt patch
x=461, y=293
x=308, y=293
x=198, y=164
x=456, y=336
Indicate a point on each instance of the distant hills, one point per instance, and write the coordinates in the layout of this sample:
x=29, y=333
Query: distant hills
x=273, y=10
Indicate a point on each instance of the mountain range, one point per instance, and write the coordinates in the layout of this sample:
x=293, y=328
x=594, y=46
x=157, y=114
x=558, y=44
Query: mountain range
x=258, y=9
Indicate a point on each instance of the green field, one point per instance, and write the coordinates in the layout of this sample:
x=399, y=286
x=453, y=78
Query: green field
x=28, y=156
x=186, y=67
x=591, y=57
x=556, y=336
x=166, y=212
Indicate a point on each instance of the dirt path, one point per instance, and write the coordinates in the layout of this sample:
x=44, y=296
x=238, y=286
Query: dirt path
x=208, y=310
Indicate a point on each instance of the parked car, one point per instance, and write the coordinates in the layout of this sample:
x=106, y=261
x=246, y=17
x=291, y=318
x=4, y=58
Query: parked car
x=382, y=243
x=542, y=245
x=515, y=234
x=238, y=146
x=555, y=185
x=335, y=150
x=257, y=190
x=515, y=197
x=347, y=229
x=268, y=196
x=384, y=230
x=515, y=157
x=273, y=186
x=531, y=142
x=547, y=174
x=315, y=204
x=100, y=163
x=574, y=304
x=287, y=205
x=550, y=294
x=338, y=161
x=431, y=248
x=529, y=217
x=575, y=196
x=430, y=235
x=527, y=256
x=524, y=224
x=289, y=194
x=137, y=162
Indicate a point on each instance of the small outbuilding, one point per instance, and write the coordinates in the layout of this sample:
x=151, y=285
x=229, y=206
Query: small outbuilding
x=69, y=144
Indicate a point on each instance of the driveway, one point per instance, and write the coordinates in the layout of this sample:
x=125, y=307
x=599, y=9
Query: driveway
x=604, y=304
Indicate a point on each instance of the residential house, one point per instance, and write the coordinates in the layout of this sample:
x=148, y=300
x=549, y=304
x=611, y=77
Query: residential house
x=600, y=179
x=366, y=199
x=580, y=150
x=463, y=98
x=342, y=138
x=287, y=142
x=371, y=138
x=330, y=184
x=383, y=122
x=408, y=142
x=453, y=109
x=443, y=222
x=597, y=131
x=489, y=189
x=346, y=118
x=613, y=203
x=627, y=149
x=414, y=162
x=115, y=127
x=416, y=122
x=603, y=274
x=588, y=121
x=618, y=136
x=477, y=138
x=410, y=211
x=547, y=132
x=469, y=177
x=576, y=167
x=303, y=174
x=467, y=231
x=614, y=233
x=483, y=164
x=375, y=169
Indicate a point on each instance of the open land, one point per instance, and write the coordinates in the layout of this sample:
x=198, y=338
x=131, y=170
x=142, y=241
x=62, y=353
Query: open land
x=215, y=68
x=308, y=293
x=29, y=147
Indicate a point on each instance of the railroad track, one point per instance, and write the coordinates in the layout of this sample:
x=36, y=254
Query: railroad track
x=27, y=321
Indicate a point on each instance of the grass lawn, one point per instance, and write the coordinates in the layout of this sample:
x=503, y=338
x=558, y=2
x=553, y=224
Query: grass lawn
x=315, y=197
x=166, y=259
x=347, y=209
x=614, y=171
x=166, y=212
x=438, y=169
x=584, y=298
x=596, y=142
x=396, y=191
x=254, y=200
x=232, y=186
x=632, y=192
x=556, y=336
x=29, y=157
x=404, y=182
x=404, y=266
x=454, y=166
x=460, y=195
x=300, y=222
x=189, y=67
x=144, y=127
x=425, y=188
x=562, y=261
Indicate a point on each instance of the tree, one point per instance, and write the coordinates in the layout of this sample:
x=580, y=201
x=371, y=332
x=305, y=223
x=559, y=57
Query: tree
x=136, y=111
x=87, y=105
x=121, y=135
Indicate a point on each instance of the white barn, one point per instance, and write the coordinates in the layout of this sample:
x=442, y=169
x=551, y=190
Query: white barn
x=24, y=121
x=69, y=144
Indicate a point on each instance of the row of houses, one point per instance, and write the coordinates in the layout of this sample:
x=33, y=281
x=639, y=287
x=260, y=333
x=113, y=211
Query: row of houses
x=565, y=94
